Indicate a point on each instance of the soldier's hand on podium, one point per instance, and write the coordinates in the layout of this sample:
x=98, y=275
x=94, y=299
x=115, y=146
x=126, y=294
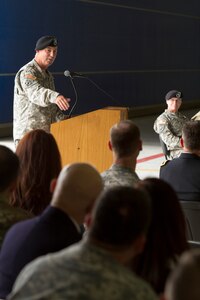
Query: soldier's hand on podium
x=62, y=102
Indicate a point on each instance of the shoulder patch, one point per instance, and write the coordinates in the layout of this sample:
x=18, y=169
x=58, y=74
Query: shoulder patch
x=30, y=76
x=164, y=162
x=162, y=122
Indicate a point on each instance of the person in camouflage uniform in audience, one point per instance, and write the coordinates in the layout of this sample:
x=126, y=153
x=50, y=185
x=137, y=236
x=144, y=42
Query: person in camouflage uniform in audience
x=36, y=103
x=125, y=144
x=9, y=167
x=170, y=123
x=96, y=268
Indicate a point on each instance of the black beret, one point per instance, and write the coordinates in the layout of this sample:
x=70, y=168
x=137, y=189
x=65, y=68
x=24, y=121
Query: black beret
x=173, y=94
x=46, y=41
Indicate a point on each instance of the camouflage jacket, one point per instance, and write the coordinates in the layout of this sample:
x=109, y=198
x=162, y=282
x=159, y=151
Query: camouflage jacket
x=34, y=100
x=119, y=175
x=82, y=271
x=9, y=216
x=169, y=126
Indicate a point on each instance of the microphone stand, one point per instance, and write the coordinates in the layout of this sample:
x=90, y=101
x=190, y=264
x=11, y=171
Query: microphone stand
x=71, y=77
x=76, y=96
x=99, y=88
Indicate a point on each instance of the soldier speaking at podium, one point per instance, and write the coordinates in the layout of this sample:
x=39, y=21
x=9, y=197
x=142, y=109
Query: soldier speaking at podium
x=36, y=103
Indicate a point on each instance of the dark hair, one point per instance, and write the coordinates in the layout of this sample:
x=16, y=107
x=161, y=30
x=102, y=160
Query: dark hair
x=40, y=162
x=166, y=238
x=120, y=215
x=9, y=167
x=191, y=135
x=124, y=137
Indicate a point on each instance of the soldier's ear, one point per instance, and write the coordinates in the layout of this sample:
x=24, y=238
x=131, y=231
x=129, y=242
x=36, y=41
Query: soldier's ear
x=182, y=142
x=110, y=145
x=53, y=184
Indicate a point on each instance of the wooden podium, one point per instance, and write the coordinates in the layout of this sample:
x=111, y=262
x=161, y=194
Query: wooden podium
x=84, y=138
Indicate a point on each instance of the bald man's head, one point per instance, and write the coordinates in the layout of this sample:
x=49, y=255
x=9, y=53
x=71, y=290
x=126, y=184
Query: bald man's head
x=77, y=188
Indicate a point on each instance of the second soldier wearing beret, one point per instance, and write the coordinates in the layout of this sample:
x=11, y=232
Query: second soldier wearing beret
x=170, y=123
x=36, y=103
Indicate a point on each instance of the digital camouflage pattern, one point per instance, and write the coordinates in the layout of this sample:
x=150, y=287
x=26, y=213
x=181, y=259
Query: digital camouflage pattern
x=80, y=272
x=9, y=216
x=169, y=126
x=34, y=100
x=118, y=175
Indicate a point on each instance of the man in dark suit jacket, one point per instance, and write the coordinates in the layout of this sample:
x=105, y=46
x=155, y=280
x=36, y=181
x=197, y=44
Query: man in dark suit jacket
x=183, y=173
x=75, y=191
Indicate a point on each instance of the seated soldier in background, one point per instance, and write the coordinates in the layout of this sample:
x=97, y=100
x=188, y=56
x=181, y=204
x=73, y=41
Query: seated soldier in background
x=58, y=226
x=183, y=173
x=125, y=144
x=183, y=283
x=95, y=268
x=9, y=168
x=170, y=123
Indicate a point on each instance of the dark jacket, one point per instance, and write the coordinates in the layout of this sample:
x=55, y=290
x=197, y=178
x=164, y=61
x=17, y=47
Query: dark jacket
x=52, y=231
x=183, y=174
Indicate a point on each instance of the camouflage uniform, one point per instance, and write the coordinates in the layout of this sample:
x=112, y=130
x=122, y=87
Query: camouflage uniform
x=169, y=126
x=81, y=272
x=8, y=216
x=34, y=100
x=119, y=175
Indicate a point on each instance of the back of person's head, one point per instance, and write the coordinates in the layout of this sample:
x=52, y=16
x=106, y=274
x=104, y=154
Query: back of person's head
x=77, y=187
x=183, y=282
x=191, y=135
x=40, y=162
x=9, y=167
x=120, y=215
x=166, y=238
x=125, y=138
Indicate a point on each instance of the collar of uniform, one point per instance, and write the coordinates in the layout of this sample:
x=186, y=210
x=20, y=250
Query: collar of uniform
x=120, y=167
x=43, y=72
x=37, y=66
x=171, y=113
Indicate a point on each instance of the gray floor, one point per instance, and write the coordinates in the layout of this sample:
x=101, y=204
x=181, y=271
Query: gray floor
x=148, y=165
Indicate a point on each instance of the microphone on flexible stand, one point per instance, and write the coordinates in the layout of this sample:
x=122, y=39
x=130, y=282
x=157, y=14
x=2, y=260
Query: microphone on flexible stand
x=67, y=74
x=71, y=75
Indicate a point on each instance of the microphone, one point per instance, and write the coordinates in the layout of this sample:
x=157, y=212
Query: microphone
x=67, y=73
